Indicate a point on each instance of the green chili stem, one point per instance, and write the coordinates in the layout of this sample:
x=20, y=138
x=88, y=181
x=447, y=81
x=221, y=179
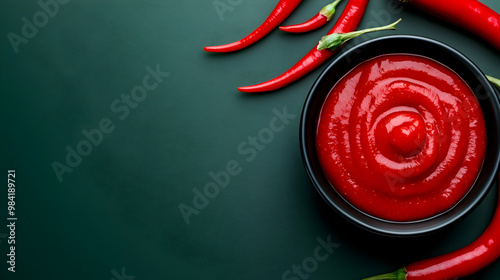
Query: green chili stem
x=494, y=81
x=399, y=274
x=334, y=40
x=329, y=9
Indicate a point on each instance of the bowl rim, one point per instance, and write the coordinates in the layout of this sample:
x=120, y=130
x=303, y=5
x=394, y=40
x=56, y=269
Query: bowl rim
x=307, y=158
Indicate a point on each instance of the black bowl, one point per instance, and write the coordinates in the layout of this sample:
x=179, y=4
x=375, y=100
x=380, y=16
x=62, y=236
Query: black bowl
x=440, y=52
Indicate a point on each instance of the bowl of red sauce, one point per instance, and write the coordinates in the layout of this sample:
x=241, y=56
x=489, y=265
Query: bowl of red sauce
x=400, y=135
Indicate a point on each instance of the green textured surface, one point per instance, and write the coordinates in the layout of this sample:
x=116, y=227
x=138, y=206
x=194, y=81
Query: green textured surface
x=118, y=208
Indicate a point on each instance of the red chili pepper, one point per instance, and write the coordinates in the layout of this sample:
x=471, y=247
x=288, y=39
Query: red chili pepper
x=348, y=21
x=460, y=263
x=317, y=21
x=471, y=15
x=277, y=16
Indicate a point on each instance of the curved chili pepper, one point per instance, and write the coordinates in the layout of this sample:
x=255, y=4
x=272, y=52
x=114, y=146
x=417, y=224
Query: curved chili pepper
x=348, y=21
x=471, y=15
x=317, y=21
x=460, y=263
x=282, y=10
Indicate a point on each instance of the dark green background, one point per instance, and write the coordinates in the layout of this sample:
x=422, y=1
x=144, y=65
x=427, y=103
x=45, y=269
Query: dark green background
x=119, y=207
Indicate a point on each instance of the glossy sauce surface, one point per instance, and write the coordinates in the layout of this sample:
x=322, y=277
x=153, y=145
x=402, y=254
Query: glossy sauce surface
x=401, y=137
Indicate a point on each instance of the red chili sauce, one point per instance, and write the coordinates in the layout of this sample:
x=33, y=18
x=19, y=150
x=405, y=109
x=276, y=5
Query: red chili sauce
x=401, y=137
